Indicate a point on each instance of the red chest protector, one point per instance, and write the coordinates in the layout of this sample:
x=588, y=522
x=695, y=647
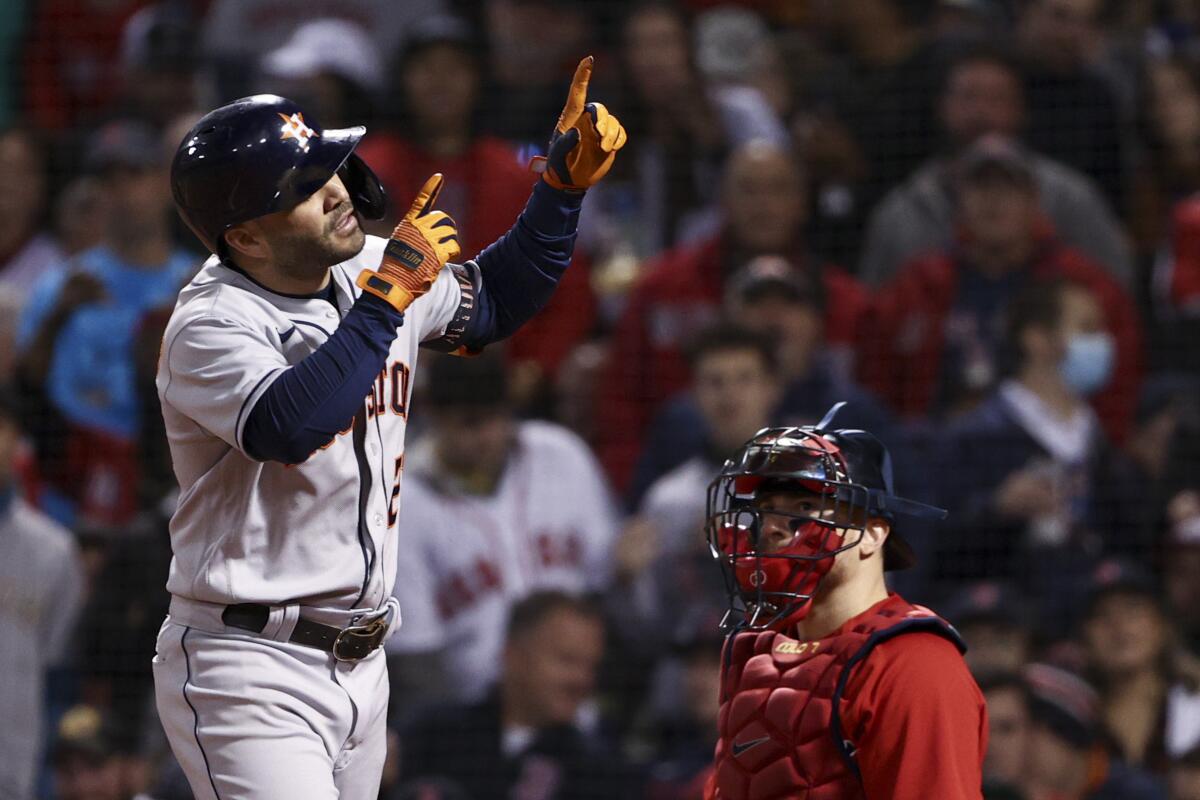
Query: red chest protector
x=780, y=727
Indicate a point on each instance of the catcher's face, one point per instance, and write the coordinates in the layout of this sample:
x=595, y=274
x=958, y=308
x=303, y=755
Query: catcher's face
x=789, y=521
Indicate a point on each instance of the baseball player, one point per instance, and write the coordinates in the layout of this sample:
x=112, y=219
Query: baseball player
x=285, y=380
x=832, y=687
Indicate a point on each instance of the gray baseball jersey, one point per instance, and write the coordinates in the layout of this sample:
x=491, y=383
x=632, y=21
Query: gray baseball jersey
x=320, y=533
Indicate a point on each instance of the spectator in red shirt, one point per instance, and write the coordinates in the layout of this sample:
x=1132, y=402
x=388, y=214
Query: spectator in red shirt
x=764, y=213
x=931, y=342
x=72, y=73
x=832, y=684
x=434, y=128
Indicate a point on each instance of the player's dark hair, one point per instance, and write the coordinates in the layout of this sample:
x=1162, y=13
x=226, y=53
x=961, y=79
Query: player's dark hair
x=727, y=335
x=534, y=609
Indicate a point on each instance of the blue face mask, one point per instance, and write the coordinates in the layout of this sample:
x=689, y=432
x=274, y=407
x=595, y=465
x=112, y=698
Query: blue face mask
x=1088, y=364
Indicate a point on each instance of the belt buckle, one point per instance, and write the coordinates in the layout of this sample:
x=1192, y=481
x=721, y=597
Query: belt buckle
x=359, y=641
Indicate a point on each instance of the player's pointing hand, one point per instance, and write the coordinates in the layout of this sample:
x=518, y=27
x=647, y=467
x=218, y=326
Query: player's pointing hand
x=585, y=140
x=420, y=246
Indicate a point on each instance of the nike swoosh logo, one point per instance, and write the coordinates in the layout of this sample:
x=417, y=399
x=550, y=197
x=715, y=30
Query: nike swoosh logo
x=283, y=337
x=741, y=747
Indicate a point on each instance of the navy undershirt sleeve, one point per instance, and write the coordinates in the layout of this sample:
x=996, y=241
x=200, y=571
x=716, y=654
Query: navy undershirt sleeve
x=521, y=269
x=315, y=399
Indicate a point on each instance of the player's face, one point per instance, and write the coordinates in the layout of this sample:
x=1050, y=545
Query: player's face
x=308, y=239
x=736, y=395
x=552, y=669
x=783, y=517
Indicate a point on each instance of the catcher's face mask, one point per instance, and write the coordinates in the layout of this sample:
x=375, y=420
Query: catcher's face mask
x=777, y=516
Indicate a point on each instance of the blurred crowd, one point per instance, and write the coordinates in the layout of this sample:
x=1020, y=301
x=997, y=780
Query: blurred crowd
x=976, y=221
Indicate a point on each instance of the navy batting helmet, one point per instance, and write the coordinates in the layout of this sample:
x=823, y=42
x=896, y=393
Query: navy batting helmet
x=847, y=474
x=259, y=155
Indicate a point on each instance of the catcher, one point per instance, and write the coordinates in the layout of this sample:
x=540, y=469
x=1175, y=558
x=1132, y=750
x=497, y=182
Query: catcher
x=832, y=686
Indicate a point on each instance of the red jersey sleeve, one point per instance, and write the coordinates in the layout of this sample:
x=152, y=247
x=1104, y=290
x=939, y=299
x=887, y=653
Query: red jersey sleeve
x=918, y=721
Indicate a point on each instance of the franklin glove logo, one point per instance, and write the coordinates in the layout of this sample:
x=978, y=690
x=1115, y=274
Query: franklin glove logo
x=404, y=254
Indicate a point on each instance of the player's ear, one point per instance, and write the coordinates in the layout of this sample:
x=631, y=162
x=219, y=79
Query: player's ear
x=247, y=240
x=874, y=535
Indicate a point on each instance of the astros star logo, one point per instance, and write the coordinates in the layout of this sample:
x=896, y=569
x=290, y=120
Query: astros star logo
x=294, y=127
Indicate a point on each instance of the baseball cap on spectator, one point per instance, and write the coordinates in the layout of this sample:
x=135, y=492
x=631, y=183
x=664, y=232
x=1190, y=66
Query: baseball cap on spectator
x=124, y=143
x=88, y=732
x=480, y=382
x=774, y=276
x=996, y=156
x=729, y=43
x=1116, y=576
x=1063, y=702
x=328, y=46
x=986, y=601
x=161, y=37
x=439, y=29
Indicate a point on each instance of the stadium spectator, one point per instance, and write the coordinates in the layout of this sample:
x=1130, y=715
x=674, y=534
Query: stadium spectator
x=493, y=509
x=80, y=218
x=330, y=67
x=1175, y=292
x=665, y=577
x=683, y=733
x=42, y=578
x=1183, y=779
x=435, y=126
x=1181, y=565
x=982, y=95
x=237, y=33
x=1066, y=757
x=1073, y=112
x=535, y=735
x=764, y=208
x=160, y=63
x=26, y=249
x=885, y=91
x=681, y=127
x=77, y=333
x=531, y=45
x=787, y=307
x=931, y=344
x=994, y=622
x=95, y=758
x=1008, y=731
x=1149, y=714
x=1027, y=475
x=1168, y=124
x=72, y=73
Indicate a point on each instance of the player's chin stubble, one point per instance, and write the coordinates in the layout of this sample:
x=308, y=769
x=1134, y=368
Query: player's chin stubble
x=304, y=256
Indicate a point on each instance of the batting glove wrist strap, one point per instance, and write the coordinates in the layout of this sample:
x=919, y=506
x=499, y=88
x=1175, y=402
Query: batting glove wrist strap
x=420, y=246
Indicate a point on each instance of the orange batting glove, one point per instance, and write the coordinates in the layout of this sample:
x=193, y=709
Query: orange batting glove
x=585, y=140
x=420, y=246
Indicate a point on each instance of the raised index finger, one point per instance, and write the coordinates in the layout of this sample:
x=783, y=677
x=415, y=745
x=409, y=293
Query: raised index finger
x=426, y=197
x=576, y=96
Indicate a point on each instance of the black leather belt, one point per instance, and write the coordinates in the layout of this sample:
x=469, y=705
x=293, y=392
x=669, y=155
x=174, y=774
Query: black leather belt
x=352, y=643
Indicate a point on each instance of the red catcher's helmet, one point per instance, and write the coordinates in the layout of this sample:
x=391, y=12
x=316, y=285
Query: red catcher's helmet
x=848, y=476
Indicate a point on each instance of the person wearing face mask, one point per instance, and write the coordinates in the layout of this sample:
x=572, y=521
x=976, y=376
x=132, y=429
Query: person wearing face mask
x=1029, y=475
x=931, y=343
